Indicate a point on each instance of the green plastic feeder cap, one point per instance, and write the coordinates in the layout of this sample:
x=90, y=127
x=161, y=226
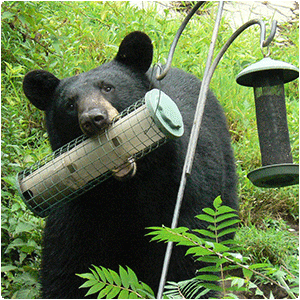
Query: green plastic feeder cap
x=246, y=76
x=165, y=113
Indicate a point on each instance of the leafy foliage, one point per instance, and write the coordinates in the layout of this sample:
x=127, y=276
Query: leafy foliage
x=109, y=284
x=204, y=245
x=21, y=240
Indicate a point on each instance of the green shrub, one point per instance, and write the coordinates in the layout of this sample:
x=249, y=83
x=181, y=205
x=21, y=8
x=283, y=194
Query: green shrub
x=205, y=246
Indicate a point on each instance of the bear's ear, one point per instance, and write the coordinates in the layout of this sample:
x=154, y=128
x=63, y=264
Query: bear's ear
x=39, y=86
x=136, y=51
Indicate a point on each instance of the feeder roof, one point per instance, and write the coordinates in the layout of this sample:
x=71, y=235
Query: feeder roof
x=245, y=77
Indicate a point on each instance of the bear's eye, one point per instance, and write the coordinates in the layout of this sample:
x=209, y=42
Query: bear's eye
x=70, y=105
x=107, y=88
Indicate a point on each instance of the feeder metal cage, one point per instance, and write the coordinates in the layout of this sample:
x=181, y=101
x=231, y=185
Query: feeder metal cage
x=85, y=162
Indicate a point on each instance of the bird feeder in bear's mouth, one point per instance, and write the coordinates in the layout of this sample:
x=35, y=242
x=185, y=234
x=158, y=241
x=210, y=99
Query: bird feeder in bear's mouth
x=268, y=77
x=86, y=162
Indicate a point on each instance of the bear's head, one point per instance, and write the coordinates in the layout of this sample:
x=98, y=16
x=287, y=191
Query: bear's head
x=88, y=102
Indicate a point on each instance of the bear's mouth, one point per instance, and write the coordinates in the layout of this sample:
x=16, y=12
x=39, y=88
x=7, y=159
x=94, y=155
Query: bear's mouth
x=90, y=129
x=96, y=126
x=96, y=120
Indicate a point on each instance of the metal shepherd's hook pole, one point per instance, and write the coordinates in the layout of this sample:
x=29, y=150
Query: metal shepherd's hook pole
x=191, y=148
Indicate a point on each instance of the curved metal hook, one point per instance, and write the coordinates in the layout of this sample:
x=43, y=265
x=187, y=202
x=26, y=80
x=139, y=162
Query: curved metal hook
x=266, y=42
x=263, y=41
x=176, y=38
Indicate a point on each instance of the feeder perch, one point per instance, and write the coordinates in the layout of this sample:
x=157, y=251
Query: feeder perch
x=86, y=162
x=267, y=77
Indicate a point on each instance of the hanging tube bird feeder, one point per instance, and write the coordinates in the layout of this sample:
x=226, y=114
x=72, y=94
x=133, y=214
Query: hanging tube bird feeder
x=267, y=77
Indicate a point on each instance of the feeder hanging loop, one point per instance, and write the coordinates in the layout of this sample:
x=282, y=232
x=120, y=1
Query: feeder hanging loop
x=266, y=42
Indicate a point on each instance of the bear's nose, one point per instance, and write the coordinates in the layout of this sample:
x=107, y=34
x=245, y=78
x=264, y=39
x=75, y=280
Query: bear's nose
x=92, y=121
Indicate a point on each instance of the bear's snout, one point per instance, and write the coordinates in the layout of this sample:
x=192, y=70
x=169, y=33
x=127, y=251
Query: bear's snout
x=92, y=121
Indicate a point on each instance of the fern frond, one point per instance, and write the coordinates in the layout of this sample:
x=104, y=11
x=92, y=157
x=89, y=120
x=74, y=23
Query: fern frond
x=109, y=284
x=188, y=289
x=205, y=246
x=180, y=236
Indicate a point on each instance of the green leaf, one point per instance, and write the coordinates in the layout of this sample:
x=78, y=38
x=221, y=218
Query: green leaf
x=220, y=248
x=177, y=235
x=113, y=293
x=247, y=274
x=56, y=45
x=86, y=276
x=133, y=295
x=100, y=274
x=260, y=265
x=116, y=278
x=258, y=291
x=228, y=223
x=231, y=296
x=206, y=218
x=209, y=244
x=29, y=247
x=104, y=292
x=133, y=281
x=239, y=282
x=7, y=15
x=124, y=277
x=212, y=286
x=217, y=202
x=209, y=259
x=208, y=277
x=8, y=268
x=146, y=291
x=206, y=233
x=22, y=19
x=198, y=251
x=49, y=29
x=225, y=209
x=210, y=269
x=124, y=294
x=209, y=211
x=15, y=243
x=96, y=275
x=227, y=231
x=88, y=283
x=236, y=256
x=108, y=275
x=24, y=227
x=225, y=216
x=221, y=261
x=95, y=289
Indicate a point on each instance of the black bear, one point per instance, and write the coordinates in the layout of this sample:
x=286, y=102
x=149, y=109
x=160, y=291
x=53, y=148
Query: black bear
x=107, y=225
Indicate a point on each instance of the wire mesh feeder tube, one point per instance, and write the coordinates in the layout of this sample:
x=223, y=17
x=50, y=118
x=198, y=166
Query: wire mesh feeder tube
x=85, y=162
